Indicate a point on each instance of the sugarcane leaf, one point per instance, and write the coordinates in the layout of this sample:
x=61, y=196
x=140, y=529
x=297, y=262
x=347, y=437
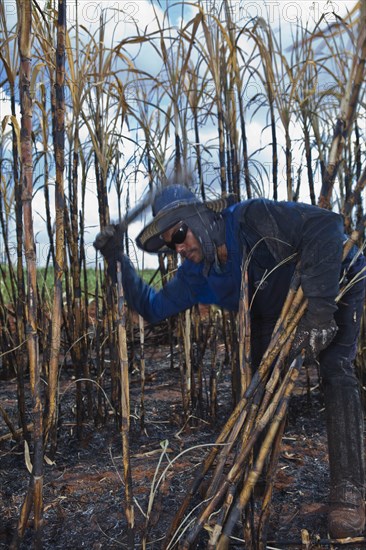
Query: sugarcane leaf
x=13, y=120
x=27, y=457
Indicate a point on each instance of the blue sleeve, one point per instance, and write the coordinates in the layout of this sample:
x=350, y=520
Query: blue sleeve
x=154, y=306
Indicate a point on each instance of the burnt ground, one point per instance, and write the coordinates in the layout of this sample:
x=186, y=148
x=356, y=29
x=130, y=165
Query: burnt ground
x=83, y=489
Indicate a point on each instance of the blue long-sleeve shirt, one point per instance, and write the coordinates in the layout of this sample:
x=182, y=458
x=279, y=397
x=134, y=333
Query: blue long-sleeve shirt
x=265, y=233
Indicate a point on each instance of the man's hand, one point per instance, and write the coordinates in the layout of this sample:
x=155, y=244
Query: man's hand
x=109, y=242
x=312, y=339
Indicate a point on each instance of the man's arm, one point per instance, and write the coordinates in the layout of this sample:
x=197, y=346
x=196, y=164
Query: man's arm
x=154, y=306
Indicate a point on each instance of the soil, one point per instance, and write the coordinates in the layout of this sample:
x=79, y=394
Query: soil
x=84, y=489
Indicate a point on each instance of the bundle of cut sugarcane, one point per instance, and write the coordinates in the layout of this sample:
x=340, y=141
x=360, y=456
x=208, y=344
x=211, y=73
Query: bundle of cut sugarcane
x=231, y=468
x=260, y=410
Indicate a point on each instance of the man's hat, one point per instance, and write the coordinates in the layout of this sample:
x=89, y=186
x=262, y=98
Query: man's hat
x=173, y=204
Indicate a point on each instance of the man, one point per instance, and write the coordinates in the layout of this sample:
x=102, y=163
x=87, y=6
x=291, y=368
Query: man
x=212, y=239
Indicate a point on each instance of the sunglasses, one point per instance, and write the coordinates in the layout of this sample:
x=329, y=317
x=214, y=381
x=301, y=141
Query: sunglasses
x=178, y=236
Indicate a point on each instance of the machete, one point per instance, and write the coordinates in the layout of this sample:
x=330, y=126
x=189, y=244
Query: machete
x=117, y=230
x=134, y=213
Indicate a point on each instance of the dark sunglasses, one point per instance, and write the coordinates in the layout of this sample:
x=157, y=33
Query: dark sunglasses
x=178, y=236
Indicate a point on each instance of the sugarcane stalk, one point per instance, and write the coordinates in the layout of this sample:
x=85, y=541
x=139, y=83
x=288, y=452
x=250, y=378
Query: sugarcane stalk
x=213, y=375
x=213, y=60
x=308, y=155
x=289, y=307
x=235, y=472
x=59, y=145
x=234, y=359
x=186, y=364
x=20, y=294
x=225, y=452
x=276, y=373
x=270, y=478
x=204, y=469
x=142, y=371
x=349, y=103
x=288, y=154
x=125, y=409
x=244, y=332
x=35, y=488
x=216, y=532
x=199, y=348
x=113, y=353
x=354, y=237
x=262, y=406
x=244, y=424
x=248, y=524
x=225, y=336
x=353, y=198
x=9, y=423
x=260, y=420
x=98, y=351
x=256, y=471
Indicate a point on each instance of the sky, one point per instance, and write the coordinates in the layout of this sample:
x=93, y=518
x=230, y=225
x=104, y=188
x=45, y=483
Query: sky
x=124, y=17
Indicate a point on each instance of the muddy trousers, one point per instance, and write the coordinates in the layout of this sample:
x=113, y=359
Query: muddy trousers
x=345, y=420
x=345, y=426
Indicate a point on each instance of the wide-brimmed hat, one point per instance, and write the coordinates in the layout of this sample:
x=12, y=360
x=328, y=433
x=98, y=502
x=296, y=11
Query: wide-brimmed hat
x=173, y=204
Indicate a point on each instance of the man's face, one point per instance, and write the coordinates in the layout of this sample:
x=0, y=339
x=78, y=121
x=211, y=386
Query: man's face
x=190, y=247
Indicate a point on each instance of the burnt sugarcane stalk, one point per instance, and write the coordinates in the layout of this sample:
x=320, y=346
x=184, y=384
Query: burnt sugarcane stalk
x=230, y=497
x=290, y=305
x=9, y=423
x=98, y=354
x=142, y=371
x=236, y=472
x=186, y=364
x=35, y=490
x=224, y=454
x=213, y=376
x=223, y=542
x=59, y=145
x=203, y=471
x=354, y=237
x=353, y=199
x=348, y=111
x=275, y=377
x=244, y=332
x=244, y=427
x=198, y=350
x=125, y=409
x=270, y=478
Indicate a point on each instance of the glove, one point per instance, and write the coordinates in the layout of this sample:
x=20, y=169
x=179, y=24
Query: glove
x=110, y=243
x=312, y=338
